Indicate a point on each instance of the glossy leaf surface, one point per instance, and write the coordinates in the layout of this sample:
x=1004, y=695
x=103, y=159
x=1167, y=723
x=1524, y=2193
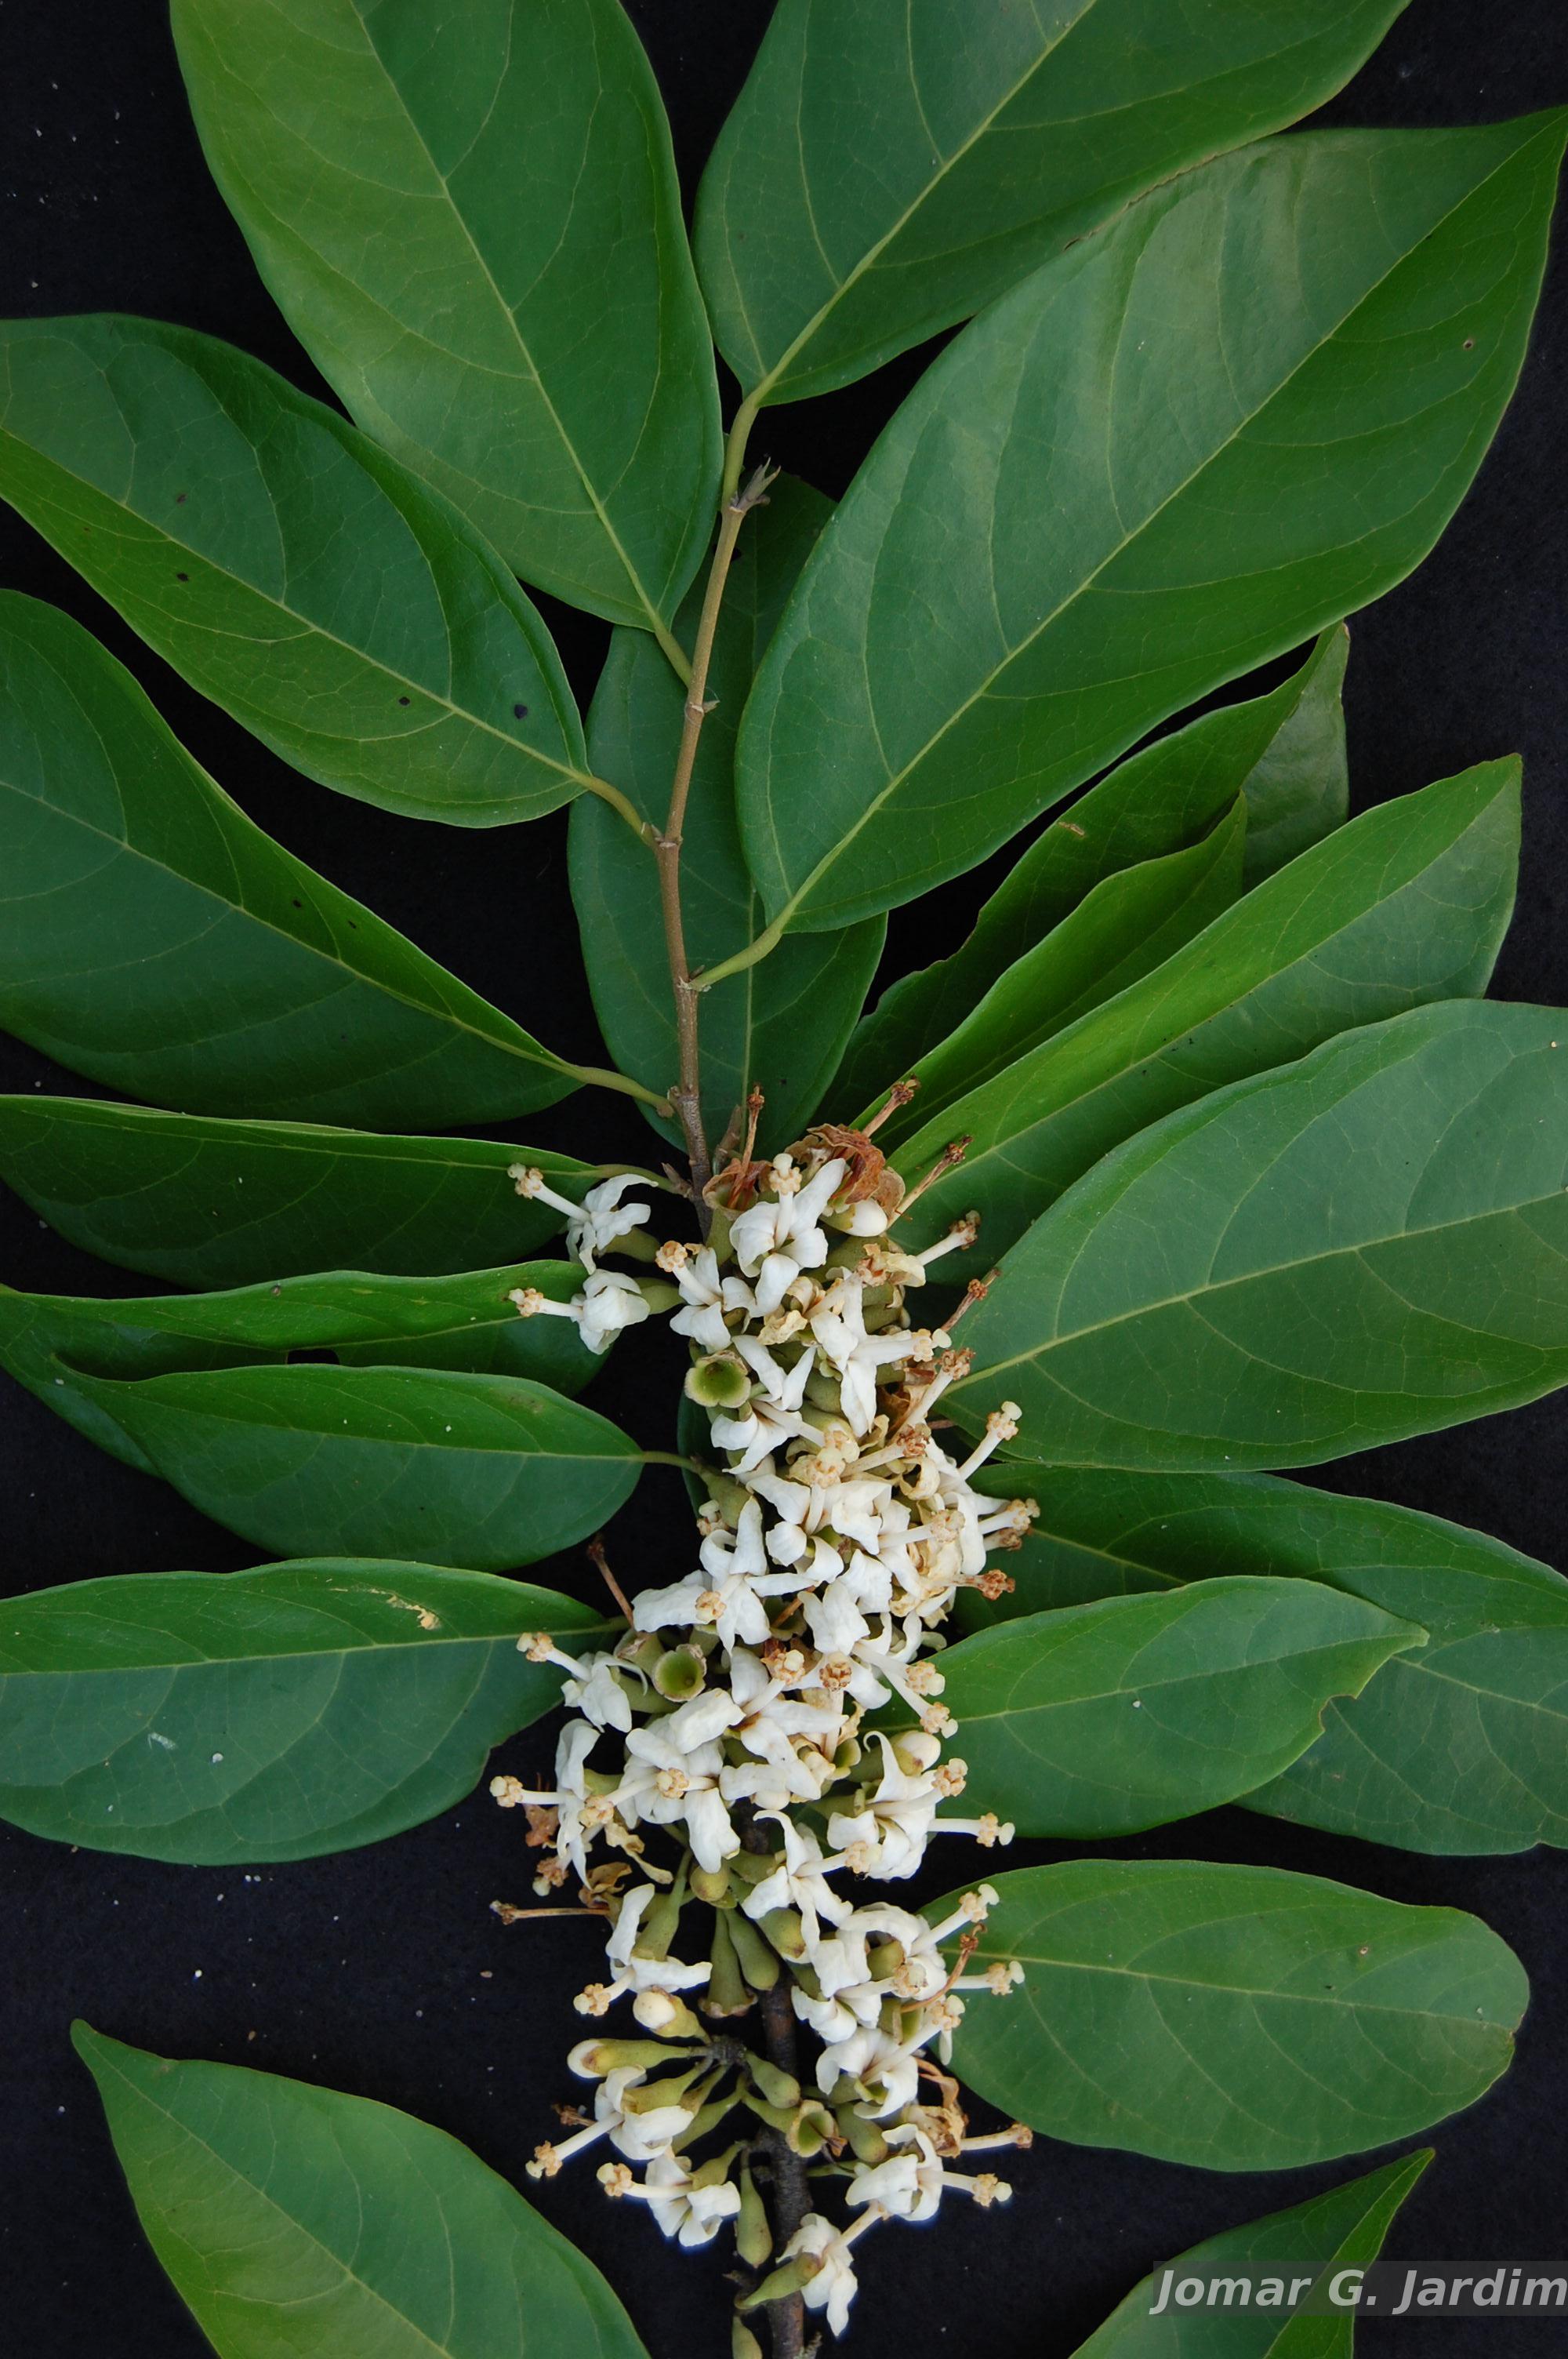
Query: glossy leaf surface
x=1460, y=1747
x=1240, y=2018
x=1343, y=2229
x=1408, y=904
x=782, y=1025
x=155, y=939
x=433, y=1465
x=1285, y=752
x=299, y=2224
x=1122, y=929
x=1098, y=1720
x=362, y=1318
x=288, y=569
x=888, y=170
x=1370, y=1244
x=1100, y=502
x=207, y=1202
x=221, y=1718
x=472, y=224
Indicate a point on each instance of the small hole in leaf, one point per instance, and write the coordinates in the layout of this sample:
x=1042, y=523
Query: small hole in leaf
x=1470, y=344
x=182, y=577
x=299, y=905
x=521, y=711
x=180, y=499
x=402, y=699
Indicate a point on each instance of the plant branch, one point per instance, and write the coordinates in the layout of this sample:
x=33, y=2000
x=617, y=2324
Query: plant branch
x=686, y=1096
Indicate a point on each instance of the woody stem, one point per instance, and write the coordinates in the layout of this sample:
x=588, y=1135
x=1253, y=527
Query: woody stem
x=686, y=1096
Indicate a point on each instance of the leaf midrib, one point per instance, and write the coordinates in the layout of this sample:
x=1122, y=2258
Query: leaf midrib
x=1245, y=1990
x=352, y=2276
x=122, y=846
x=568, y=446
x=1189, y=1295
x=306, y=623
x=947, y=164
x=1080, y=589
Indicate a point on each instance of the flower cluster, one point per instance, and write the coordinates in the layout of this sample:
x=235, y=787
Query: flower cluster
x=778, y=1714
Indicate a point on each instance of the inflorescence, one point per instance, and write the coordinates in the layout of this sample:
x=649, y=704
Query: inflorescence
x=778, y=1715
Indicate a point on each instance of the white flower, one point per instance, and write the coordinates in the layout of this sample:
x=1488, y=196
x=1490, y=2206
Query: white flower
x=609, y=1301
x=785, y=1225
x=705, y=1296
x=595, y=1690
x=833, y=2287
x=858, y=1356
x=908, y=2185
x=640, y=2137
x=893, y=1823
x=888, y=2070
x=686, y=1761
x=634, y=1972
x=691, y=2213
x=799, y=1881
x=602, y=1218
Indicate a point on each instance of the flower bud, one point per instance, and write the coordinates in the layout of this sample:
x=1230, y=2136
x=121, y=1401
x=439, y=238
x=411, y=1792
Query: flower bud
x=778, y=2087
x=743, y=2343
x=711, y=1884
x=758, y=1961
x=785, y=1931
x=590, y=2060
x=753, y=2238
x=867, y=2143
x=662, y=2011
x=726, y=1993
x=811, y=2129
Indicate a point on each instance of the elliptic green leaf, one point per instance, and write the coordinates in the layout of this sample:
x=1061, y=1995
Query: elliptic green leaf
x=206, y=1202
x=472, y=224
x=363, y=1319
x=889, y=169
x=423, y=1463
x=1285, y=752
x=1181, y=448
x=1097, y=1720
x=299, y=2224
x=1241, y=2018
x=782, y=1025
x=1124, y=928
x=288, y=569
x=1290, y=2251
x=1460, y=1748
x=155, y=939
x=228, y=1718
x=1369, y=1243
x=1406, y=903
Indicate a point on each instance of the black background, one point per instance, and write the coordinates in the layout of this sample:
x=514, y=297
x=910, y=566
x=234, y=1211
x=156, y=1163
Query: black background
x=382, y=1972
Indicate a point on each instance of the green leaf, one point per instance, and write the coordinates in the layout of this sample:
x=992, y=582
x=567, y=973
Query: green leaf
x=1241, y=2018
x=887, y=169
x=299, y=2224
x=472, y=224
x=1370, y=1244
x=1123, y=929
x=1462, y=1747
x=288, y=569
x=220, y=1719
x=1098, y=1720
x=1343, y=2229
x=1181, y=448
x=783, y=1024
x=206, y=1202
x=1285, y=751
x=155, y=939
x=1406, y=905
x=365, y=1321
x=428, y=1464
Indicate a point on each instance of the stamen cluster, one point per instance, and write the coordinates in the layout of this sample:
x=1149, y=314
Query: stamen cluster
x=777, y=1714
